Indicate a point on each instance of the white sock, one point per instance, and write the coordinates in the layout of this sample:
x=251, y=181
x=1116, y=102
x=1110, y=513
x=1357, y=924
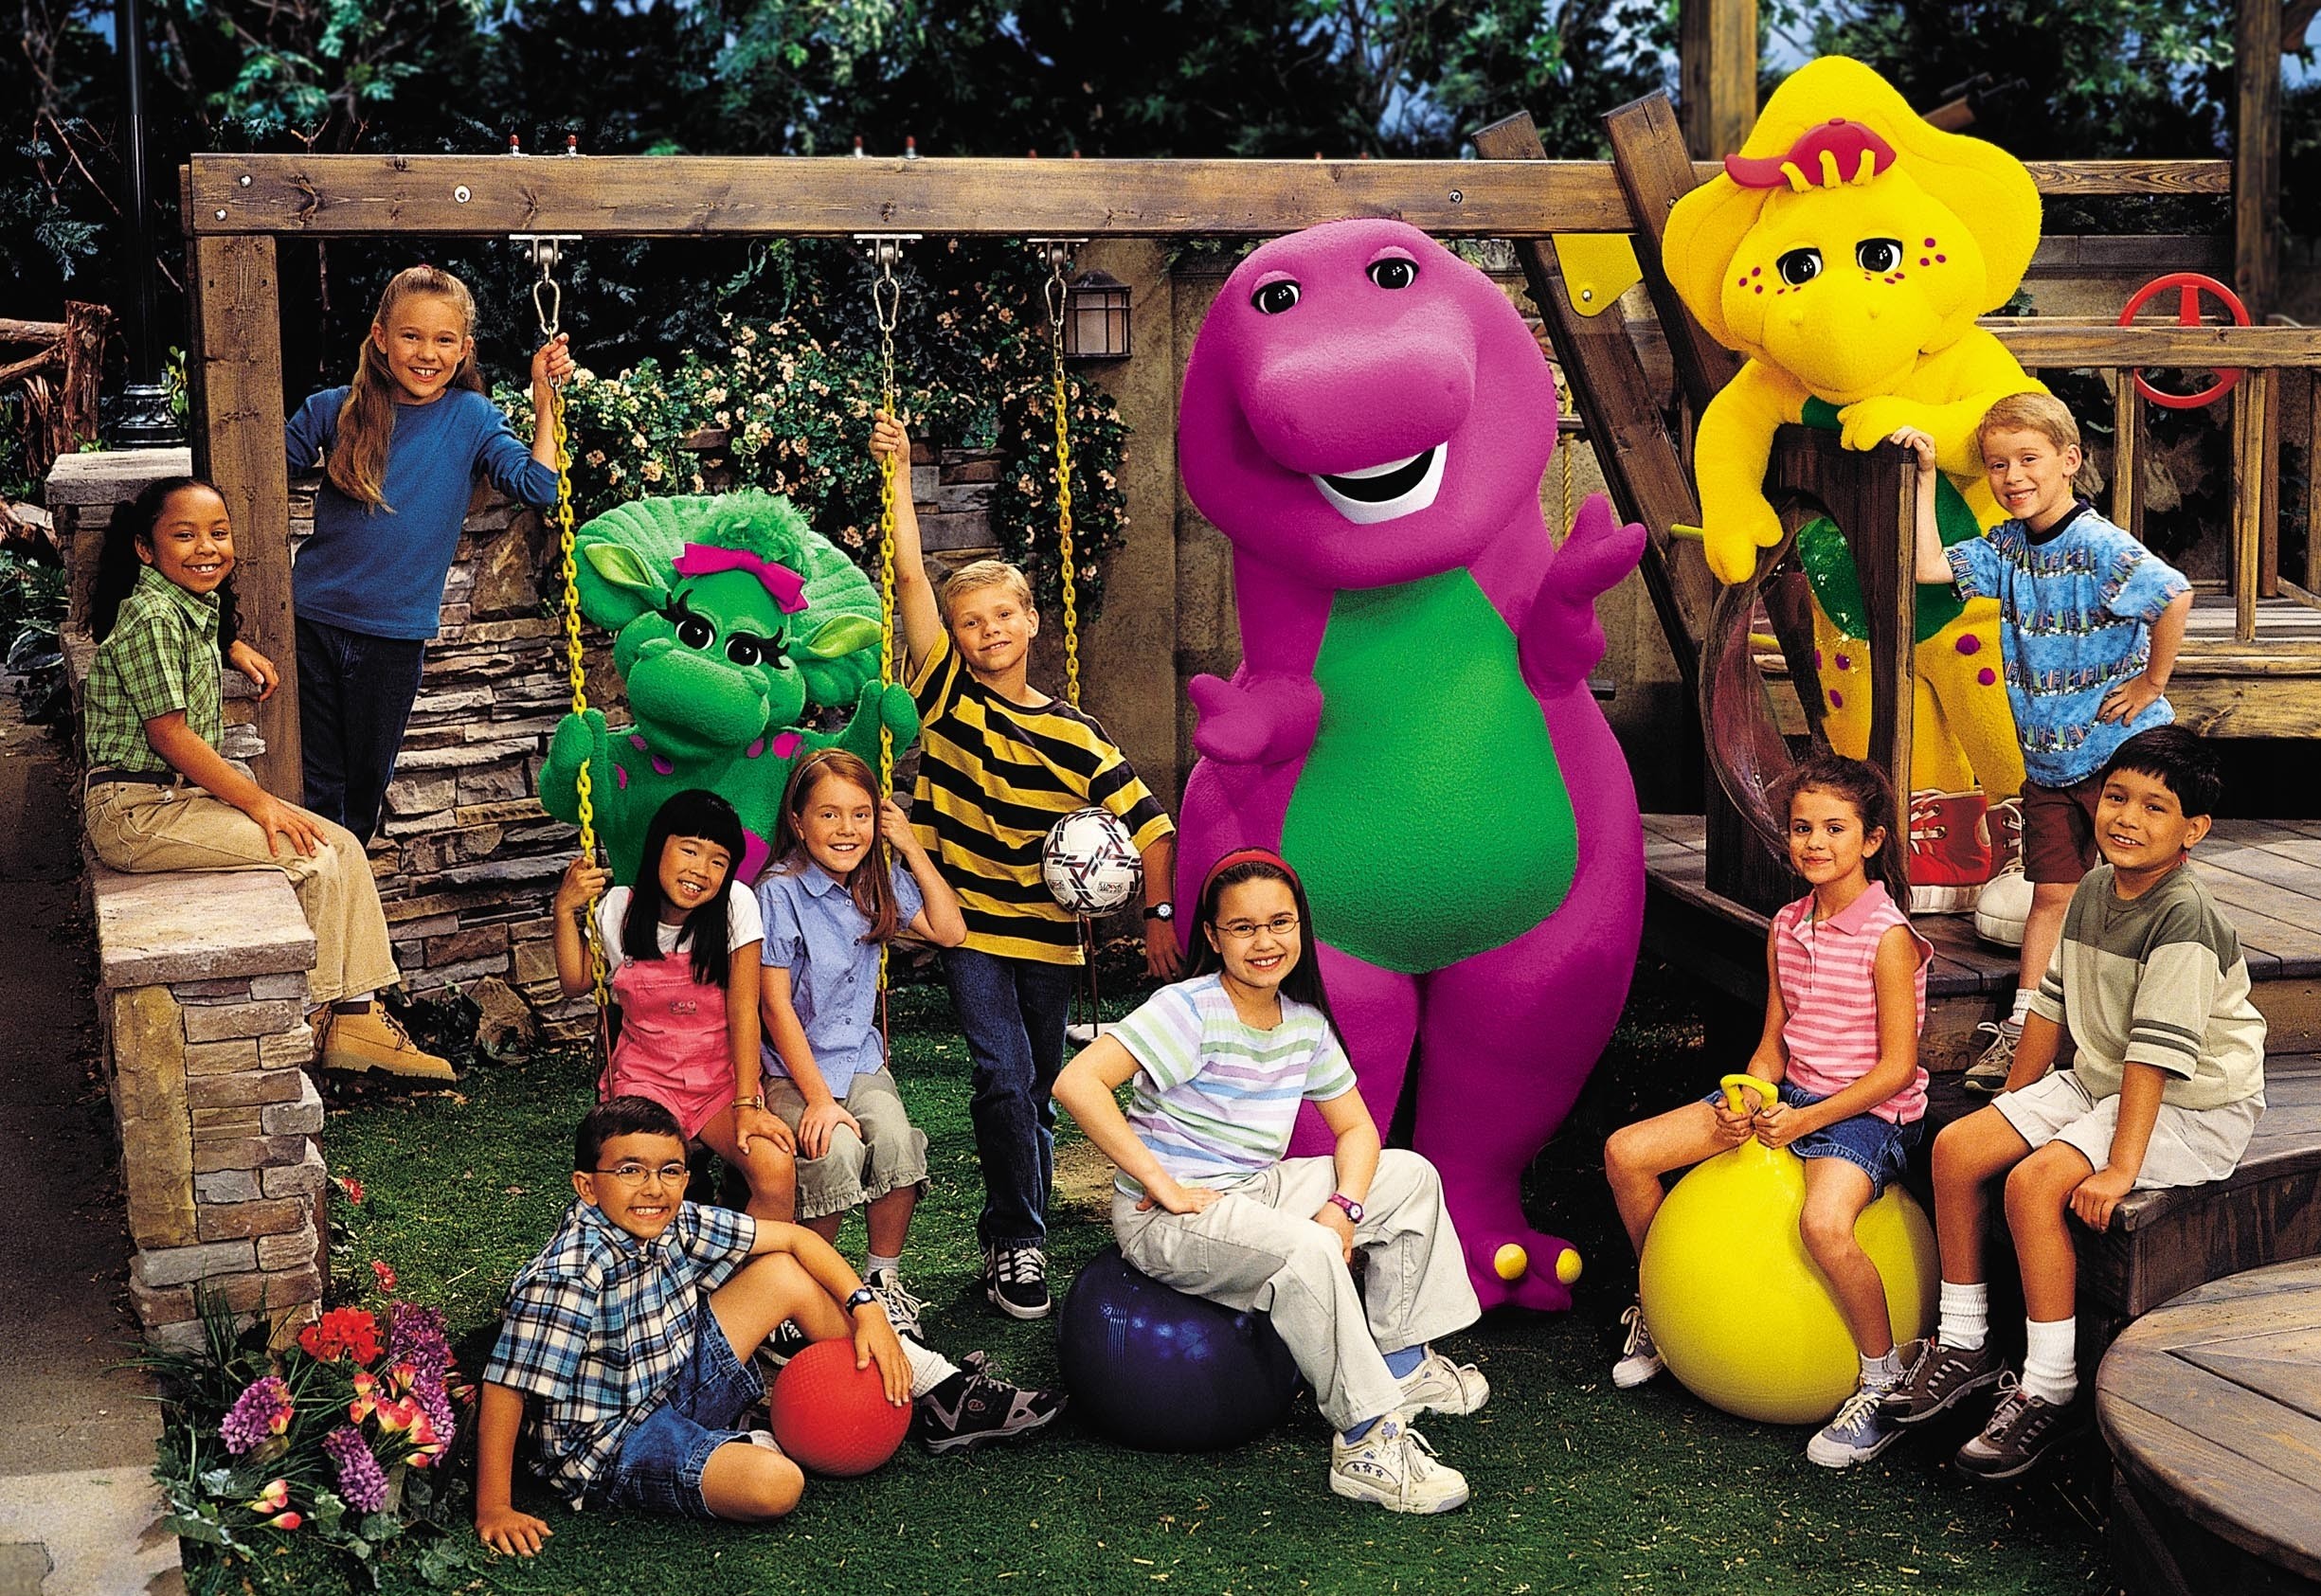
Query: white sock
x=2051, y=1359
x=1882, y=1373
x=1966, y=1316
x=928, y=1368
x=876, y=1262
x=2022, y=1008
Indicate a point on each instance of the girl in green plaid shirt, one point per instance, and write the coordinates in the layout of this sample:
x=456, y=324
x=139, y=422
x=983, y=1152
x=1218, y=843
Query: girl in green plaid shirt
x=161, y=797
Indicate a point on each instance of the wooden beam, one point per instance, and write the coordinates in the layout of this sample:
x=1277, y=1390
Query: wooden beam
x=237, y=330
x=2268, y=480
x=13, y=331
x=2249, y=402
x=2128, y=456
x=670, y=196
x=2255, y=151
x=1647, y=155
x=2055, y=345
x=1624, y=425
x=1716, y=56
x=2313, y=481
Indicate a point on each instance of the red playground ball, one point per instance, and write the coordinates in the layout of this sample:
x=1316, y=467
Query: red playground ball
x=832, y=1418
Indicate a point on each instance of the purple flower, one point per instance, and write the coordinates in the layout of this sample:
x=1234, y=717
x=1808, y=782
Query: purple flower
x=415, y=1335
x=257, y=1415
x=360, y=1480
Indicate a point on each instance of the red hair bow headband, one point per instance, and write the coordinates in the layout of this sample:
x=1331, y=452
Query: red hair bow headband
x=1836, y=153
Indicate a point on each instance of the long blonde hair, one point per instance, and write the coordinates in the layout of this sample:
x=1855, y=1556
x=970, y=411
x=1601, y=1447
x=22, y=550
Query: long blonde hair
x=358, y=457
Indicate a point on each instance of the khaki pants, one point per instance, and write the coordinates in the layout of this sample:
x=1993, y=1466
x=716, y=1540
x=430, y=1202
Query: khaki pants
x=144, y=827
x=1257, y=1247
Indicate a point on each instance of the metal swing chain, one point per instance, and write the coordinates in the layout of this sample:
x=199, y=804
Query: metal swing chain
x=1058, y=291
x=887, y=305
x=547, y=302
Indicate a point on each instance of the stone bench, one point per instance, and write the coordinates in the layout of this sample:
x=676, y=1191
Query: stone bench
x=202, y=987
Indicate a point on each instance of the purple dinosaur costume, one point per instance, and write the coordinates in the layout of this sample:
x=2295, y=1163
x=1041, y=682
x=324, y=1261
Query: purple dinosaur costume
x=1367, y=419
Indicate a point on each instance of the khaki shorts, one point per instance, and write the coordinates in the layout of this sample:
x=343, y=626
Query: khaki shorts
x=889, y=1153
x=2189, y=1147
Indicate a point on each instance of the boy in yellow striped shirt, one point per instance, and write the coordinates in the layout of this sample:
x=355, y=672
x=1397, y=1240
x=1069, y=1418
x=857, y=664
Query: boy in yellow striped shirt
x=999, y=764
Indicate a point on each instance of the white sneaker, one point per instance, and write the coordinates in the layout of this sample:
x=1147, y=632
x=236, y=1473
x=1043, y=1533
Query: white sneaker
x=1861, y=1430
x=1394, y=1467
x=1440, y=1386
x=903, y=1309
x=1640, y=1357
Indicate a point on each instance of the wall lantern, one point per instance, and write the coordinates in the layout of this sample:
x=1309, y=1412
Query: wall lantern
x=1096, y=321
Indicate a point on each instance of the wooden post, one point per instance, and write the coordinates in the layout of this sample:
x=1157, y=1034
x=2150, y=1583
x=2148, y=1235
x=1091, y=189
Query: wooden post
x=2255, y=151
x=2128, y=456
x=1647, y=155
x=2313, y=481
x=2268, y=482
x=237, y=330
x=1717, y=54
x=2249, y=402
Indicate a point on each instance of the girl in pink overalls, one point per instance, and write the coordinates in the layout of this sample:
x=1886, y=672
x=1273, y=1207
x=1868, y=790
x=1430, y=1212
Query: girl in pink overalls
x=681, y=952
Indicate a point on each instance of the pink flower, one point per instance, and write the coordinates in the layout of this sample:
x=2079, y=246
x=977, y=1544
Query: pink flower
x=258, y=1413
x=275, y=1498
x=284, y=1521
x=384, y=1273
x=366, y=1397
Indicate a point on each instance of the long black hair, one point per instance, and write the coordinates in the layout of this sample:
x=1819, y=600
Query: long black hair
x=117, y=564
x=694, y=811
x=1304, y=979
x=1865, y=786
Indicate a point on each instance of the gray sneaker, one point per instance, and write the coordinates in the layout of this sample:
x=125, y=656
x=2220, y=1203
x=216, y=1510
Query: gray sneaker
x=1861, y=1430
x=1640, y=1357
x=2022, y=1429
x=903, y=1309
x=1986, y=1075
x=1935, y=1378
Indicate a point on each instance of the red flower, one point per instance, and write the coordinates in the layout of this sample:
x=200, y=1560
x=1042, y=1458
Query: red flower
x=352, y=1187
x=384, y=1274
x=342, y=1330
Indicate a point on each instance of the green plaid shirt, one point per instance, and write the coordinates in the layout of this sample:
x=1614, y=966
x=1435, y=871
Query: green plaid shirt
x=161, y=654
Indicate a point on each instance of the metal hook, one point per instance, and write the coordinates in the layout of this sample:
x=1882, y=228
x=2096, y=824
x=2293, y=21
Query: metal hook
x=546, y=294
x=1057, y=289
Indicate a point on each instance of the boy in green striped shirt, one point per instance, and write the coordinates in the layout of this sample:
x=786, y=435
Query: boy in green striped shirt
x=2165, y=1090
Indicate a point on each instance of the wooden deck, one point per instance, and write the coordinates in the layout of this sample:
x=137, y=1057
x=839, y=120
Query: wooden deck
x=2212, y=1410
x=2265, y=874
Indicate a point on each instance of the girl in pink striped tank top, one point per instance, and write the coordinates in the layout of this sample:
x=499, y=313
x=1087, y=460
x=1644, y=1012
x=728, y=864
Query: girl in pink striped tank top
x=1845, y=996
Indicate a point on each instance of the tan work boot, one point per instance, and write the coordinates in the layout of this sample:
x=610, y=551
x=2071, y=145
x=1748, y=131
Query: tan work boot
x=372, y=1040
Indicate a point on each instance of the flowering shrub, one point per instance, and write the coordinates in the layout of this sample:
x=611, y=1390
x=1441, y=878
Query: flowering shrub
x=331, y=1440
x=796, y=408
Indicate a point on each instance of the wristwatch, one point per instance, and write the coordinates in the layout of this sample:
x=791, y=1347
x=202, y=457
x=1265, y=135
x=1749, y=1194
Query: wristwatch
x=1352, y=1210
x=1159, y=911
x=863, y=1294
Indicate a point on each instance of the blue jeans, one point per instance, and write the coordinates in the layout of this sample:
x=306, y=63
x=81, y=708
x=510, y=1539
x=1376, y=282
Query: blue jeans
x=1013, y=1012
x=354, y=697
x=1878, y=1148
x=663, y=1458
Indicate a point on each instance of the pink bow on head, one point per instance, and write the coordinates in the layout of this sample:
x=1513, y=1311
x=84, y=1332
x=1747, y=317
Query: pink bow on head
x=787, y=587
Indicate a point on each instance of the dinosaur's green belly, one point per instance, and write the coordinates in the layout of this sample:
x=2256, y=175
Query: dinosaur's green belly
x=1431, y=821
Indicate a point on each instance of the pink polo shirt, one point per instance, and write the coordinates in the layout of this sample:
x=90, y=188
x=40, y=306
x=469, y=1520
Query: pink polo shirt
x=1829, y=985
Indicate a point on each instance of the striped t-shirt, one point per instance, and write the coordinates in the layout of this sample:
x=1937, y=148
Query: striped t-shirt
x=2157, y=980
x=1214, y=1097
x=993, y=776
x=1829, y=988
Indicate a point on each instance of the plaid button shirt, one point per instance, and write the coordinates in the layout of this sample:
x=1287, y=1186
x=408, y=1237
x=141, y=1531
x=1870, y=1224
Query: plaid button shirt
x=161, y=654
x=600, y=1323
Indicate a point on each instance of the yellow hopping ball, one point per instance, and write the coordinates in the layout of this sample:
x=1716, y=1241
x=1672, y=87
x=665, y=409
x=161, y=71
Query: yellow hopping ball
x=1737, y=1306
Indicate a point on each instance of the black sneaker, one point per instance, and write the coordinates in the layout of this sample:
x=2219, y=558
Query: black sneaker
x=1935, y=1378
x=785, y=1343
x=2022, y=1429
x=1016, y=1279
x=975, y=1406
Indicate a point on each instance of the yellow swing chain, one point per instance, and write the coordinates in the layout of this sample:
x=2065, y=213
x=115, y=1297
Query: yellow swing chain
x=886, y=304
x=1058, y=291
x=547, y=300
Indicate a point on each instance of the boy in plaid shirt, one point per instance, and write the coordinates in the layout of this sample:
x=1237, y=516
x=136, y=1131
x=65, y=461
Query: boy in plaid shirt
x=686, y=1294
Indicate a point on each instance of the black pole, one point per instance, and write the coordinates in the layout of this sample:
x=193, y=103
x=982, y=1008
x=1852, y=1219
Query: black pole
x=141, y=417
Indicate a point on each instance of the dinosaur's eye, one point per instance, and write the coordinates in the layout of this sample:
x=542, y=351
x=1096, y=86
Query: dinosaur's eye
x=746, y=651
x=1799, y=266
x=1393, y=272
x=695, y=632
x=1878, y=255
x=1276, y=297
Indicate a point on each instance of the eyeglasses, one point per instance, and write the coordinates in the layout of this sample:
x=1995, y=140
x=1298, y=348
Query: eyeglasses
x=632, y=1176
x=1242, y=930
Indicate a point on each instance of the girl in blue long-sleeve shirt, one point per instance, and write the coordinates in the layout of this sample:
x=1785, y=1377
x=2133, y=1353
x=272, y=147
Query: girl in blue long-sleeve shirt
x=403, y=445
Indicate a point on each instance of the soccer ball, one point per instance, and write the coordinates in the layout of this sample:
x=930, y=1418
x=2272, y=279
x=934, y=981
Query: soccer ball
x=1090, y=864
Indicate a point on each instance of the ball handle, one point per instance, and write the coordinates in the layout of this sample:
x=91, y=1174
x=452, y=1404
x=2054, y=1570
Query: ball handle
x=1735, y=1084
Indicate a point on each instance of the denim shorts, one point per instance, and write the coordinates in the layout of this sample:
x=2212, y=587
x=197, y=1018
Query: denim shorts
x=1876, y=1148
x=661, y=1462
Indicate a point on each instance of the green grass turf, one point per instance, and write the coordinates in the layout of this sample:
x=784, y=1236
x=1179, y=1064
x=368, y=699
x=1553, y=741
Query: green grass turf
x=1576, y=1487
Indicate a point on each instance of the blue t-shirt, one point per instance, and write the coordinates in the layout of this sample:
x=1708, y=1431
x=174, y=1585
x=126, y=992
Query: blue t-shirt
x=814, y=931
x=380, y=572
x=2076, y=608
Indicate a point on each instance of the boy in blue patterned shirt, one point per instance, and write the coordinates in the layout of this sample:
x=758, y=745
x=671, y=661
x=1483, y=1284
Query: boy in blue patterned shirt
x=634, y=1331
x=2089, y=624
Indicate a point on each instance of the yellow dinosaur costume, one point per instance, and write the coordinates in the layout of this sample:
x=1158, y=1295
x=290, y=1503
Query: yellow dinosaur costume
x=1847, y=252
